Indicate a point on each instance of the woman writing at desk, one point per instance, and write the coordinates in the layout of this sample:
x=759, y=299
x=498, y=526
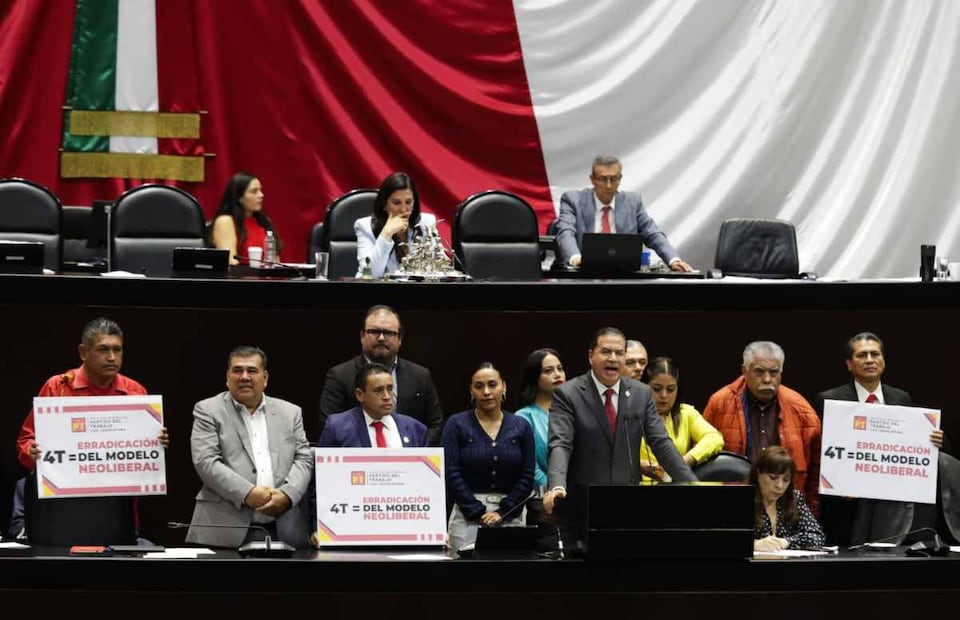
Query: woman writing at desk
x=783, y=520
x=383, y=239
x=240, y=222
x=488, y=455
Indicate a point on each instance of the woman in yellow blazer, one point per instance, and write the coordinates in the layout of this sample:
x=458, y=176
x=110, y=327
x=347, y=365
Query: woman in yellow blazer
x=696, y=439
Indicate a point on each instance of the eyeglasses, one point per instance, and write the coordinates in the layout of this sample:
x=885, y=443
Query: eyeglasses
x=378, y=333
x=608, y=180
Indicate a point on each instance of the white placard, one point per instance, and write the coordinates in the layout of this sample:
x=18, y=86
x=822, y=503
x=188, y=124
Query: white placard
x=380, y=496
x=99, y=445
x=879, y=451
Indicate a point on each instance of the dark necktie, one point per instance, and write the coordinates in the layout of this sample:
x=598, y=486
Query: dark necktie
x=381, y=438
x=611, y=411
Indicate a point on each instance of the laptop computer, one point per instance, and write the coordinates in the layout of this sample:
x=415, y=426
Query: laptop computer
x=21, y=257
x=200, y=263
x=611, y=253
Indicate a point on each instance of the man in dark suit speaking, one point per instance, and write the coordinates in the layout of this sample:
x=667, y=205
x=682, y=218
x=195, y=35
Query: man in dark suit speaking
x=597, y=421
x=866, y=520
x=605, y=209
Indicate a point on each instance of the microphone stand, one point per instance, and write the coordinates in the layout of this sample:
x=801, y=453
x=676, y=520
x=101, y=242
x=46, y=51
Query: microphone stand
x=265, y=548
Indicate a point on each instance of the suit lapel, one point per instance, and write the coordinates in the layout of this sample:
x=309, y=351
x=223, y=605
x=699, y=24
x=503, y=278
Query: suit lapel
x=360, y=428
x=621, y=215
x=588, y=392
x=275, y=429
x=238, y=424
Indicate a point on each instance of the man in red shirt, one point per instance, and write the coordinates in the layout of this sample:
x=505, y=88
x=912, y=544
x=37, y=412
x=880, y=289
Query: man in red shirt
x=101, y=351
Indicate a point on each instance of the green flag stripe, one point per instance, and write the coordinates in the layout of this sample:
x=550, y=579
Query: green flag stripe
x=93, y=68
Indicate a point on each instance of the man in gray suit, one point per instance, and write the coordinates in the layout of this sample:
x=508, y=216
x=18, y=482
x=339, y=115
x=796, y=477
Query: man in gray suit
x=866, y=520
x=251, y=453
x=603, y=208
x=596, y=423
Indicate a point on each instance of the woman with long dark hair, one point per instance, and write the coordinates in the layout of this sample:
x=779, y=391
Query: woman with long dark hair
x=240, y=222
x=783, y=520
x=542, y=373
x=383, y=239
x=696, y=439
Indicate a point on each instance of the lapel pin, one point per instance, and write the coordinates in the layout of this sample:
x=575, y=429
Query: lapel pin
x=627, y=393
x=406, y=440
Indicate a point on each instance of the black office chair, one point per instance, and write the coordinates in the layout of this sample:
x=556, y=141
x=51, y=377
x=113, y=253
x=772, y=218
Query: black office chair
x=759, y=248
x=496, y=236
x=724, y=467
x=338, y=236
x=147, y=223
x=315, y=243
x=30, y=212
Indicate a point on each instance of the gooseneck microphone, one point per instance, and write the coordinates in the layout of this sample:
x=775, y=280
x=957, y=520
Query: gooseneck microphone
x=266, y=548
x=521, y=503
x=937, y=543
x=273, y=263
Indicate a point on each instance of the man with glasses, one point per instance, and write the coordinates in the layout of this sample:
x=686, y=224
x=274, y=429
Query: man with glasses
x=605, y=209
x=756, y=412
x=414, y=391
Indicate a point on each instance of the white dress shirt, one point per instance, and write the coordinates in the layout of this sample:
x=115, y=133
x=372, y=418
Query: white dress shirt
x=256, y=425
x=390, y=431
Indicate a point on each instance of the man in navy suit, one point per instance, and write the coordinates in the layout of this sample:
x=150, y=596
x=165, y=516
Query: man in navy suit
x=603, y=208
x=866, y=520
x=373, y=423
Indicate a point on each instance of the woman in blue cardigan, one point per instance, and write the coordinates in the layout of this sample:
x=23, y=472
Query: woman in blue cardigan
x=489, y=456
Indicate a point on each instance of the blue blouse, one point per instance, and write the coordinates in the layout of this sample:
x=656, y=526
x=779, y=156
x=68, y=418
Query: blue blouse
x=538, y=418
x=477, y=464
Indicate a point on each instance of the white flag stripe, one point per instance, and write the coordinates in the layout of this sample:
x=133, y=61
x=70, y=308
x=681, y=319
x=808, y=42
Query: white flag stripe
x=136, y=87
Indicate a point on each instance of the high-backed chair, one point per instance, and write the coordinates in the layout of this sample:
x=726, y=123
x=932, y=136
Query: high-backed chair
x=30, y=212
x=147, y=223
x=339, y=238
x=724, y=467
x=315, y=243
x=761, y=248
x=496, y=236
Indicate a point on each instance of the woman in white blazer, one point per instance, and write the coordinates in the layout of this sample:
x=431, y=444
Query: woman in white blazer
x=383, y=238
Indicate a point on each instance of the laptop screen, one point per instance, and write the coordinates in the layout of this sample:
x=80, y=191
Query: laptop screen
x=21, y=257
x=200, y=262
x=611, y=252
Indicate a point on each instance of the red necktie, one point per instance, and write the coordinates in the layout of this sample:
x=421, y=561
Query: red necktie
x=381, y=438
x=605, y=220
x=611, y=411
x=872, y=398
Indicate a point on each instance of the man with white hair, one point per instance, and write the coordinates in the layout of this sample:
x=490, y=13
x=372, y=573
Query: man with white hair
x=755, y=412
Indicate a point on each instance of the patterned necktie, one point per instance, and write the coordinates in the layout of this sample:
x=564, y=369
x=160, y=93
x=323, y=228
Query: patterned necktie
x=872, y=399
x=381, y=438
x=605, y=220
x=611, y=411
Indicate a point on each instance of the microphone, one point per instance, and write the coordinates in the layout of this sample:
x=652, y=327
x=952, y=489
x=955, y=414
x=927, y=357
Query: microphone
x=265, y=548
x=263, y=261
x=936, y=539
x=523, y=502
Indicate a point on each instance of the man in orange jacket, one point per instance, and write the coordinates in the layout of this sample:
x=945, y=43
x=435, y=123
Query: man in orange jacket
x=756, y=412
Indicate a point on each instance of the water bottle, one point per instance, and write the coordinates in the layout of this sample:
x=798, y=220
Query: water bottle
x=270, y=254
